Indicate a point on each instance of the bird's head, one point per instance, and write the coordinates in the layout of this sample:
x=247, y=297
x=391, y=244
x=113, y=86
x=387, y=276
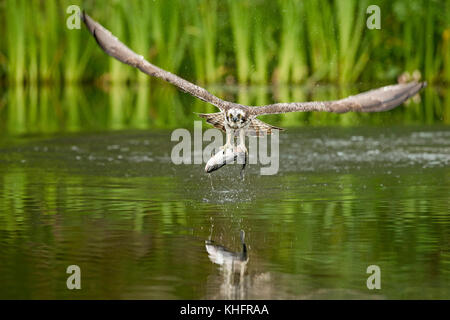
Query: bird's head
x=236, y=118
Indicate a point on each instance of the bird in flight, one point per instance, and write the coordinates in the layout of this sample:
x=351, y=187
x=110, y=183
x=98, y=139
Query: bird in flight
x=238, y=120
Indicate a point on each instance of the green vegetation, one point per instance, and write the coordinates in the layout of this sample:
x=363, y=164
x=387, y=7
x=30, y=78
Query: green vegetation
x=252, y=43
x=53, y=109
x=258, y=42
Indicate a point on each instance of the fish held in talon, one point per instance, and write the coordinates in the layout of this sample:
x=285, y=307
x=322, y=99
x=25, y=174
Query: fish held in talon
x=223, y=157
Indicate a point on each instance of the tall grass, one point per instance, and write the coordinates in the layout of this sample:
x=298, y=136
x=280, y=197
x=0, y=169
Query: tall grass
x=321, y=40
x=445, y=49
x=240, y=26
x=292, y=64
x=202, y=27
x=353, y=54
x=167, y=33
x=413, y=33
x=446, y=55
x=77, y=52
x=117, y=24
x=262, y=50
x=136, y=16
x=210, y=41
x=15, y=14
x=48, y=25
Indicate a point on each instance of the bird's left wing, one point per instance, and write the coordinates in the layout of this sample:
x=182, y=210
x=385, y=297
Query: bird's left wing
x=116, y=49
x=376, y=100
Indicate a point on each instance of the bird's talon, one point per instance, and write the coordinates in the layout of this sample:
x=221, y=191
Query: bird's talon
x=225, y=148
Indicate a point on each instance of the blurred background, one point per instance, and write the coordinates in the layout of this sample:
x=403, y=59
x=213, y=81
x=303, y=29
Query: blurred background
x=255, y=52
x=243, y=42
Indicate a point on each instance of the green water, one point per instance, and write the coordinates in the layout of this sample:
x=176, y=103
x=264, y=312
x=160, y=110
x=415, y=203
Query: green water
x=82, y=183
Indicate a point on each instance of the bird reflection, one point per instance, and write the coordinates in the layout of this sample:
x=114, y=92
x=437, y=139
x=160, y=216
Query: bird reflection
x=237, y=281
x=231, y=263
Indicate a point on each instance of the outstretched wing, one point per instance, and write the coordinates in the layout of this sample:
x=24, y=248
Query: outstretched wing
x=380, y=99
x=113, y=47
x=376, y=100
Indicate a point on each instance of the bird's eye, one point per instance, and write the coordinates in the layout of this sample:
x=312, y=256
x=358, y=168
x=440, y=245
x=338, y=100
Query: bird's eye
x=239, y=115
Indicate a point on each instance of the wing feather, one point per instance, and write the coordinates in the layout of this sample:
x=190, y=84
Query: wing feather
x=116, y=49
x=381, y=99
x=376, y=100
x=216, y=119
x=258, y=128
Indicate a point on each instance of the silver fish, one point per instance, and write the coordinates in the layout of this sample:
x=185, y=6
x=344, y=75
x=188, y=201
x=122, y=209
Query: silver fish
x=222, y=158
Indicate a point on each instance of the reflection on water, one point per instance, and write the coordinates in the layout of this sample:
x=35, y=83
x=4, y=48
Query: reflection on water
x=230, y=263
x=136, y=225
x=74, y=192
x=73, y=109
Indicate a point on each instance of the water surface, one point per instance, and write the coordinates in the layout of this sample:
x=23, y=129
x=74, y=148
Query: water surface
x=136, y=224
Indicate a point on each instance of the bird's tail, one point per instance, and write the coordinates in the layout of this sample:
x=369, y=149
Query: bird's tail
x=216, y=119
x=259, y=128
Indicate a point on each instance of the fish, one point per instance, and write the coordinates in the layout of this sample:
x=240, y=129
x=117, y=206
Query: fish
x=221, y=158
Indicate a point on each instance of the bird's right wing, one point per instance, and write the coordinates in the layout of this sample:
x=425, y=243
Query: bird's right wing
x=116, y=49
x=376, y=100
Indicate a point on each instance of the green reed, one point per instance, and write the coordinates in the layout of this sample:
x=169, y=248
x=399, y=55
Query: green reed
x=321, y=40
x=136, y=18
x=261, y=53
x=263, y=49
x=118, y=72
x=353, y=55
x=211, y=41
x=445, y=49
x=77, y=52
x=202, y=27
x=15, y=37
x=240, y=26
x=292, y=64
x=48, y=25
x=167, y=34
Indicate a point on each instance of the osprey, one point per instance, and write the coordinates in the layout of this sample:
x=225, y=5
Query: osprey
x=240, y=120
